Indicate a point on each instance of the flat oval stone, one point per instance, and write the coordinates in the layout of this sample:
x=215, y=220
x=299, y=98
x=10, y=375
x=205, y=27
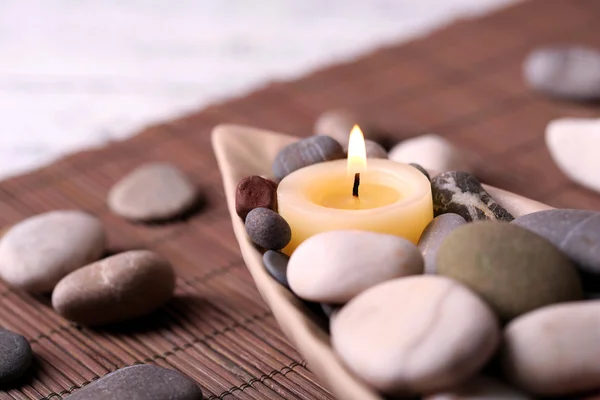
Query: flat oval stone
x=481, y=388
x=401, y=337
x=430, y=151
x=254, y=192
x=39, y=251
x=566, y=72
x=554, y=350
x=335, y=266
x=572, y=143
x=433, y=236
x=512, y=268
x=276, y=265
x=15, y=357
x=124, y=286
x=305, y=152
x=141, y=382
x=268, y=229
x=153, y=191
x=461, y=193
x=575, y=232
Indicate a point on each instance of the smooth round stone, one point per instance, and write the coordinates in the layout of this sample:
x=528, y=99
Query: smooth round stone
x=461, y=193
x=335, y=266
x=418, y=334
x=15, y=356
x=421, y=169
x=305, y=152
x=276, y=265
x=254, y=192
x=567, y=72
x=555, y=350
x=572, y=143
x=124, y=286
x=575, y=232
x=141, y=382
x=338, y=123
x=481, y=388
x=268, y=229
x=433, y=236
x=39, y=251
x=375, y=150
x=152, y=192
x=512, y=268
x=432, y=152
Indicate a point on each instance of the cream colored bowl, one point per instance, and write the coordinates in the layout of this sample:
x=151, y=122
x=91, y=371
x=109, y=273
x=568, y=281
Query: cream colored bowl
x=242, y=151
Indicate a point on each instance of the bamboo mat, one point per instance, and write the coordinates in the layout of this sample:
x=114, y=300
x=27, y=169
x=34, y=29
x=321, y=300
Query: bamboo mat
x=463, y=82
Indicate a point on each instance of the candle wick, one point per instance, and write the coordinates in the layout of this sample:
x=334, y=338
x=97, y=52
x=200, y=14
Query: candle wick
x=356, y=183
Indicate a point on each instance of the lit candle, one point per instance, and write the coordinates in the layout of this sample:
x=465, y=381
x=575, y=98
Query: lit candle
x=383, y=196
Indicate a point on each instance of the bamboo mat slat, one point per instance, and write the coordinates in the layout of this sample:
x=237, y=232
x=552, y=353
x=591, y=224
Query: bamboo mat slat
x=463, y=82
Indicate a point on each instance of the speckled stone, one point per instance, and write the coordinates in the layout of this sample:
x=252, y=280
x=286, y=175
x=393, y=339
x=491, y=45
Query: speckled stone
x=575, y=232
x=153, y=191
x=433, y=236
x=513, y=269
x=126, y=285
x=268, y=229
x=461, y=193
x=418, y=334
x=254, y=192
x=141, y=382
x=39, y=251
x=553, y=351
x=305, y=152
x=276, y=265
x=15, y=357
x=569, y=72
x=420, y=168
x=334, y=266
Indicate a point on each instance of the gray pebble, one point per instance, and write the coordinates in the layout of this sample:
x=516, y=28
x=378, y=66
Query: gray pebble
x=268, y=229
x=433, y=236
x=39, y=251
x=461, y=193
x=567, y=72
x=420, y=168
x=330, y=309
x=375, y=150
x=575, y=232
x=141, y=382
x=276, y=265
x=153, y=191
x=15, y=356
x=312, y=150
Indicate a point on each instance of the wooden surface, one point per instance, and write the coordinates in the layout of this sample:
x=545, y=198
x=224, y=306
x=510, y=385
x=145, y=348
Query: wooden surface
x=463, y=82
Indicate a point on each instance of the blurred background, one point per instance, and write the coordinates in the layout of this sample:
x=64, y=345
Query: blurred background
x=75, y=74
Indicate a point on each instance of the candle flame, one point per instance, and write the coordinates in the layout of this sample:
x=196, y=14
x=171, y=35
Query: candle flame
x=357, y=151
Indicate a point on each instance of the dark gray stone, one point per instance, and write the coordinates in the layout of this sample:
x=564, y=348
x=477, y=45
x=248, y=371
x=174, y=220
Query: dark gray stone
x=433, y=236
x=276, y=265
x=575, y=232
x=329, y=309
x=461, y=193
x=268, y=229
x=141, y=382
x=305, y=152
x=567, y=72
x=15, y=356
x=420, y=168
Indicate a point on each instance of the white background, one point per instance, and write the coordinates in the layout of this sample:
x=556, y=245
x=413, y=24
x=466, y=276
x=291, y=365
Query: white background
x=75, y=73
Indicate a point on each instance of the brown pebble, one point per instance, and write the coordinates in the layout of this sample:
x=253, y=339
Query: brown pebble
x=254, y=192
x=268, y=229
